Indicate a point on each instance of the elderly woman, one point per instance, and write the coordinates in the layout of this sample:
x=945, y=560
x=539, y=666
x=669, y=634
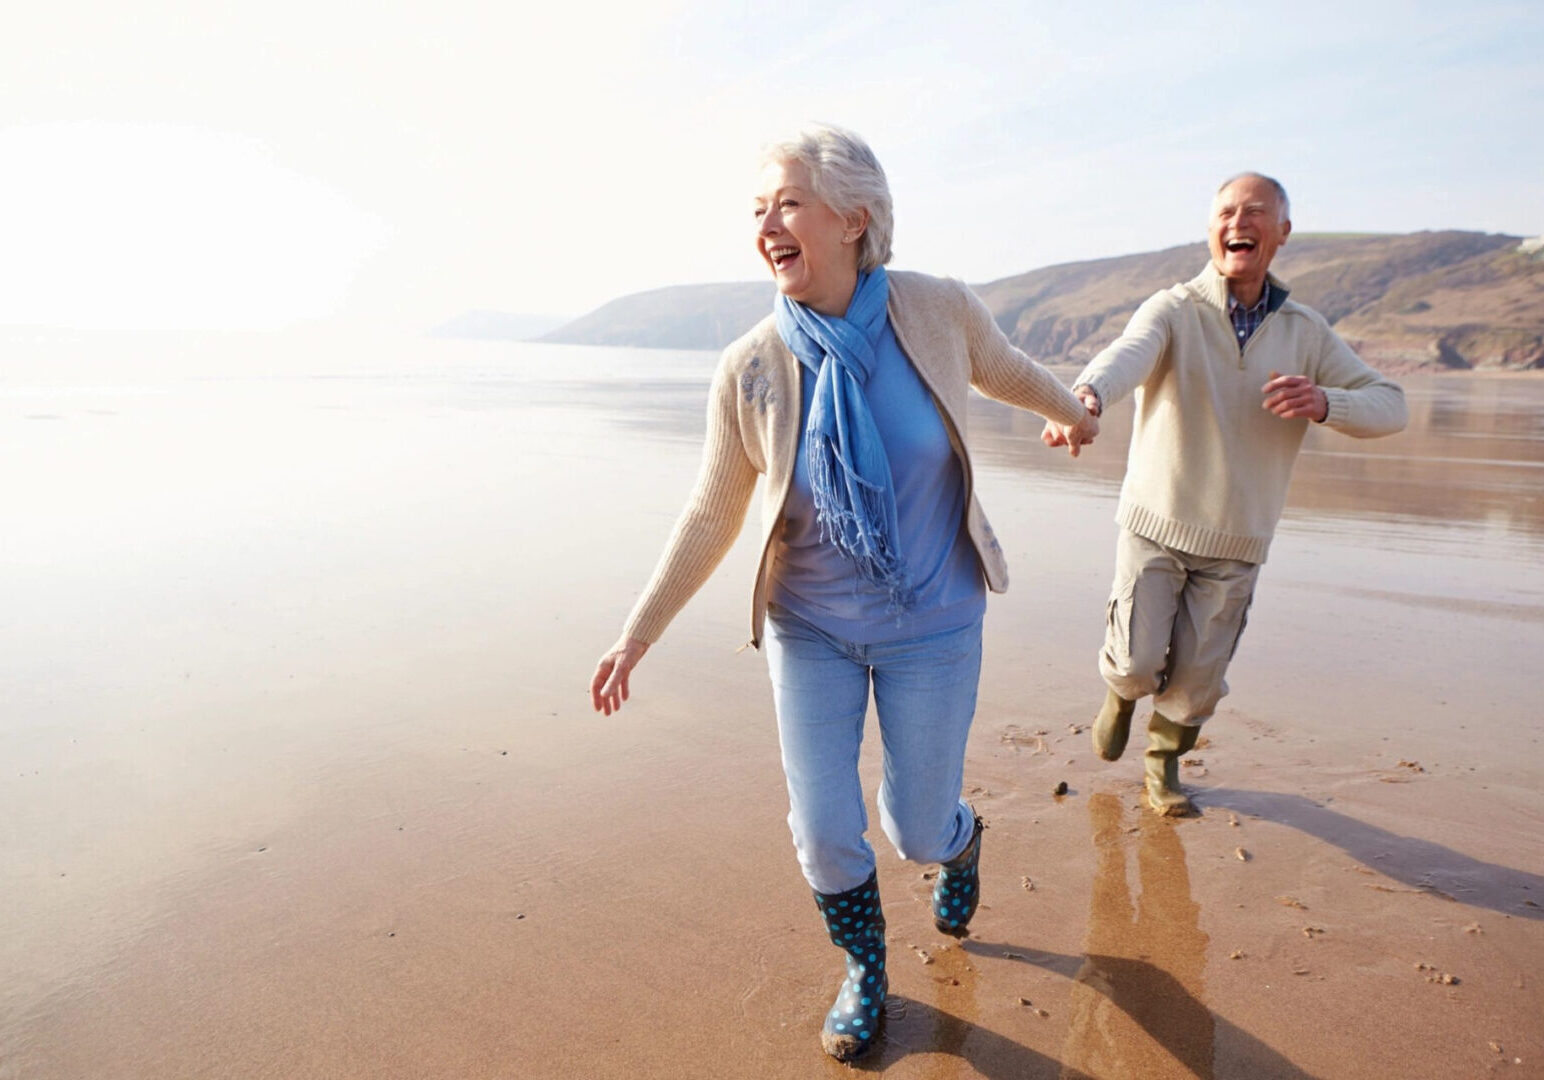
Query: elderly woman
x=850, y=399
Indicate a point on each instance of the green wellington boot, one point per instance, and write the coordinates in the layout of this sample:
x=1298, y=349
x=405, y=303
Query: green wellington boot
x=1112, y=727
x=1167, y=742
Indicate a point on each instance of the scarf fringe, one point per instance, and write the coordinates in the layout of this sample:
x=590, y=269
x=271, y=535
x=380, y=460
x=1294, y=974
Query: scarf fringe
x=872, y=552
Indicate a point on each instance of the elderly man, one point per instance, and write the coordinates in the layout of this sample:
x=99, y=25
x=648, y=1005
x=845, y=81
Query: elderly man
x=1228, y=374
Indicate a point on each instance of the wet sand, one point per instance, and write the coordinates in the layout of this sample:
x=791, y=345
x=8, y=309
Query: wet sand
x=300, y=779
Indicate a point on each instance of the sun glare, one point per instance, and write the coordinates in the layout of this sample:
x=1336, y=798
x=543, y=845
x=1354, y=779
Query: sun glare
x=164, y=228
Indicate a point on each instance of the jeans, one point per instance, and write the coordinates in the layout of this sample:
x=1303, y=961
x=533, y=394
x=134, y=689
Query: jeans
x=925, y=694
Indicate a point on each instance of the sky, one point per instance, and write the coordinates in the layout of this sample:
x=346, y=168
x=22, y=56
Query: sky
x=258, y=166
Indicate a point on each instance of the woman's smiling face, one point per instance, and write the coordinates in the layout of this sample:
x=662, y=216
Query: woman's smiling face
x=811, y=250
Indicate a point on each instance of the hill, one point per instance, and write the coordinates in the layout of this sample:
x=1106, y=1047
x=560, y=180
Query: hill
x=1441, y=300
x=677, y=317
x=1429, y=299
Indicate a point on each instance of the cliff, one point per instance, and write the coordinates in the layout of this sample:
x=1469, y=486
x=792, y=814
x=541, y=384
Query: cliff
x=1439, y=300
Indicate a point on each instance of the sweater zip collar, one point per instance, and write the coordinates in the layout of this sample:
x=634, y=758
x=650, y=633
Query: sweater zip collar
x=1212, y=288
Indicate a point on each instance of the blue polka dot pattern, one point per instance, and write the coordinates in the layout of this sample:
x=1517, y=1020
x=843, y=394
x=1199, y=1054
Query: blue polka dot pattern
x=958, y=889
x=856, y=923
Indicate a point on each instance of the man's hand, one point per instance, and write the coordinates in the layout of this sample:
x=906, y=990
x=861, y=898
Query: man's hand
x=1295, y=396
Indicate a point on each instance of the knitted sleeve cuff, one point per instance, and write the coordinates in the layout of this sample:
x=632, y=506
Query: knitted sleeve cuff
x=1098, y=386
x=1340, y=406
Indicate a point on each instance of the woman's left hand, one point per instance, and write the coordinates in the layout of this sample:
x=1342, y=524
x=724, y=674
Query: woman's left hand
x=608, y=687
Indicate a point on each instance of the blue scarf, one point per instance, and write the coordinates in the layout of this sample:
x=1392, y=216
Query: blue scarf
x=849, y=471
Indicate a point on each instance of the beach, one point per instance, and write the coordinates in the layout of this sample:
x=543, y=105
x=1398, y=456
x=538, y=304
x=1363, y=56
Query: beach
x=301, y=777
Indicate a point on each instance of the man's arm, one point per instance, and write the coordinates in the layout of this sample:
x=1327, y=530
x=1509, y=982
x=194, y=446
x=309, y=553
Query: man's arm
x=1361, y=402
x=1125, y=363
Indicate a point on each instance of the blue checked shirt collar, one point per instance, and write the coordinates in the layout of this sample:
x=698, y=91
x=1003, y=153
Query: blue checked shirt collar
x=1247, y=320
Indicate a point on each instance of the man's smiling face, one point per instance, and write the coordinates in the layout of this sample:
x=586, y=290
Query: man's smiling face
x=1247, y=226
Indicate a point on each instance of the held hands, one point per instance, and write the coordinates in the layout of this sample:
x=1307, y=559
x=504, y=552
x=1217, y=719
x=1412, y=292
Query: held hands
x=608, y=688
x=1075, y=436
x=1294, y=396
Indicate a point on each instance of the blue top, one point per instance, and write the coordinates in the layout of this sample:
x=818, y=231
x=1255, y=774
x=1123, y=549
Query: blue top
x=815, y=581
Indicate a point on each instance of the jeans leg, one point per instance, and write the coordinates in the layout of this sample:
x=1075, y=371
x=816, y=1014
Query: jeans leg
x=821, y=696
x=925, y=691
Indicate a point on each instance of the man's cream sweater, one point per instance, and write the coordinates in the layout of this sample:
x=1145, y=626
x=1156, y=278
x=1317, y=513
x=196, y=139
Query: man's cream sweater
x=753, y=430
x=1208, y=469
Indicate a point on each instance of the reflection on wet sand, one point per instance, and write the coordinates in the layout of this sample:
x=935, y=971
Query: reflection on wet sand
x=1138, y=999
x=1136, y=1005
x=1144, y=963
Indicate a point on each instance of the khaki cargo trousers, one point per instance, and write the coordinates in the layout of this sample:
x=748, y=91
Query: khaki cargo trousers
x=1174, y=623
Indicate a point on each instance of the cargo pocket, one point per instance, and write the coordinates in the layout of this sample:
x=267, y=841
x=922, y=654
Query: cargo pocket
x=1243, y=621
x=1117, y=632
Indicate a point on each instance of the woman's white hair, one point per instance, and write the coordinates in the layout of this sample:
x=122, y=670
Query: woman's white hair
x=847, y=177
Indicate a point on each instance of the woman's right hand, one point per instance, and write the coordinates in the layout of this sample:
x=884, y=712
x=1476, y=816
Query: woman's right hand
x=608, y=689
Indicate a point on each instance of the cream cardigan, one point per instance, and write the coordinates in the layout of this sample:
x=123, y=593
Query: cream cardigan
x=1208, y=469
x=753, y=430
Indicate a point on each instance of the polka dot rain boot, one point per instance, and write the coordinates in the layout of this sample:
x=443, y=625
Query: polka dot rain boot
x=958, y=889
x=856, y=924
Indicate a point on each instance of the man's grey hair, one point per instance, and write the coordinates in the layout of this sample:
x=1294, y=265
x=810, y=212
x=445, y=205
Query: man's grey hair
x=1282, y=202
x=846, y=177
